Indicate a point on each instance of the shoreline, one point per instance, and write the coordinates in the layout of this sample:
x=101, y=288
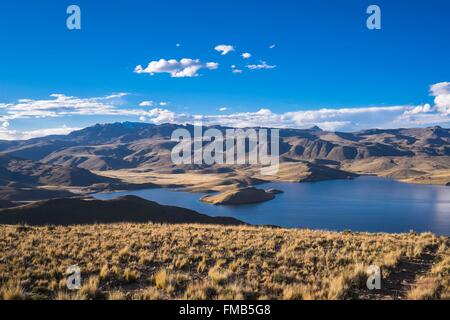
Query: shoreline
x=259, y=213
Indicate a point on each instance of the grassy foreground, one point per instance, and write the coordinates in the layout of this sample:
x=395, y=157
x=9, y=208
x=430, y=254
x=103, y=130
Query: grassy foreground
x=147, y=261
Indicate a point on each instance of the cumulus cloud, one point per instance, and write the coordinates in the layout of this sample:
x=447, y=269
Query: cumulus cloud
x=261, y=65
x=185, y=68
x=419, y=109
x=224, y=49
x=223, y=109
x=246, y=55
x=441, y=92
x=272, y=46
x=159, y=116
x=146, y=104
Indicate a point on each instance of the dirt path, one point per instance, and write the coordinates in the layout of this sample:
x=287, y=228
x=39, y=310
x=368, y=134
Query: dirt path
x=400, y=280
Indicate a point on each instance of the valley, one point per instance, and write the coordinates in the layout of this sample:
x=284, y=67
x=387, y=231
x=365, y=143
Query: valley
x=110, y=156
x=137, y=156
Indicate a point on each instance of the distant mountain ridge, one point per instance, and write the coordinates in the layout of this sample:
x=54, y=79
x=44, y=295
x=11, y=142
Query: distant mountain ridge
x=130, y=145
x=79, y=159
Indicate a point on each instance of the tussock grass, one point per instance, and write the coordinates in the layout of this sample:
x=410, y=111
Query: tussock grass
x=436, y=284
x=149, y=261
x=116, y=295
x=12, y=291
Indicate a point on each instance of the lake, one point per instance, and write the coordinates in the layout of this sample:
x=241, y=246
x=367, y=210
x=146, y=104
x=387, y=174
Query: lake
x=364, y=204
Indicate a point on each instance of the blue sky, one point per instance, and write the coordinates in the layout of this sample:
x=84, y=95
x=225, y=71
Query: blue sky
x=326, y=67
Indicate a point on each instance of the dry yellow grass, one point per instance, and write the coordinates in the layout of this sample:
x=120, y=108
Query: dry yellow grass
x=146, y=261
x=436, y=284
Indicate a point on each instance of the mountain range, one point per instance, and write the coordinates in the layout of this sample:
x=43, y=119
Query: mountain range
x=130, y=145
x=107, y=156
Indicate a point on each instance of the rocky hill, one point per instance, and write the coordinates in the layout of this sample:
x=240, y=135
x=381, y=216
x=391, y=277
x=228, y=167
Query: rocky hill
x=29, y=180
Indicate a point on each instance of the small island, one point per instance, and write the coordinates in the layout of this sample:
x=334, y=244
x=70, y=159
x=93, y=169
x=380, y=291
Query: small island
x=240, y=196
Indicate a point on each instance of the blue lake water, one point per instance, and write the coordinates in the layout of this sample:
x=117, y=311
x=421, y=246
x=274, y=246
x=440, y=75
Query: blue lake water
x=364, y=204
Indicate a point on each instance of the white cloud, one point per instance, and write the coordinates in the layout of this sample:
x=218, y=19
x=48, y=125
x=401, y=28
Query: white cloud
x=110, y=97
x=235, y=69
x=146, y=104
x=246, y=55
x=441, y=92
x=344, y=119
x=152, y=103
x=185, y=68
x=272, y=46
x=60, y=105
x=178, y=45
x=160, y=116
x=419, y=109
x=6, y=134
x=224, y=49
x=261, y=65
x=212, y=65
x=441, y=88
x=223, y=109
